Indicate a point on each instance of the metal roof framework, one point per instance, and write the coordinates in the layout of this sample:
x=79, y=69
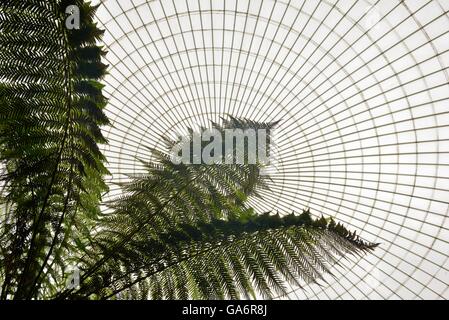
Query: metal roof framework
x=362, y=92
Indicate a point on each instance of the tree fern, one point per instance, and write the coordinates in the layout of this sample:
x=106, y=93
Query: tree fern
x=226, y=258
x=50, y=113
x=184, y=231
x=179, y=231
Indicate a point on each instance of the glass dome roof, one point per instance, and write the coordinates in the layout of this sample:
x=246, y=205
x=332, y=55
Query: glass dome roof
x=362, y=92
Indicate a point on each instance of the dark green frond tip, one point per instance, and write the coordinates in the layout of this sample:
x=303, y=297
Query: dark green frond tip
x=267, y=221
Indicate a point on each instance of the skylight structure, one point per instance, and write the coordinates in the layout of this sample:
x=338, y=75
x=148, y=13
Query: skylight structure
x=361, y=89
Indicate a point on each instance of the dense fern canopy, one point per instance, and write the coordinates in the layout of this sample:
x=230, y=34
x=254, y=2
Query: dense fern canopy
x=178, y=231
x=50, y=117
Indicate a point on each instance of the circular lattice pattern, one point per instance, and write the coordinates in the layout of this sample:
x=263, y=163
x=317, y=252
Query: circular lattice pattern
x=361, y=89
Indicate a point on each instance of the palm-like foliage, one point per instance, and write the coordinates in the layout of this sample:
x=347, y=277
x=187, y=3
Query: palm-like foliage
x=179, y=231
x=50, y=113
x=184, y=231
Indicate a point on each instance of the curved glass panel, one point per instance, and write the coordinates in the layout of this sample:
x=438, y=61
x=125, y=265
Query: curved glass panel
x=361, y=89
